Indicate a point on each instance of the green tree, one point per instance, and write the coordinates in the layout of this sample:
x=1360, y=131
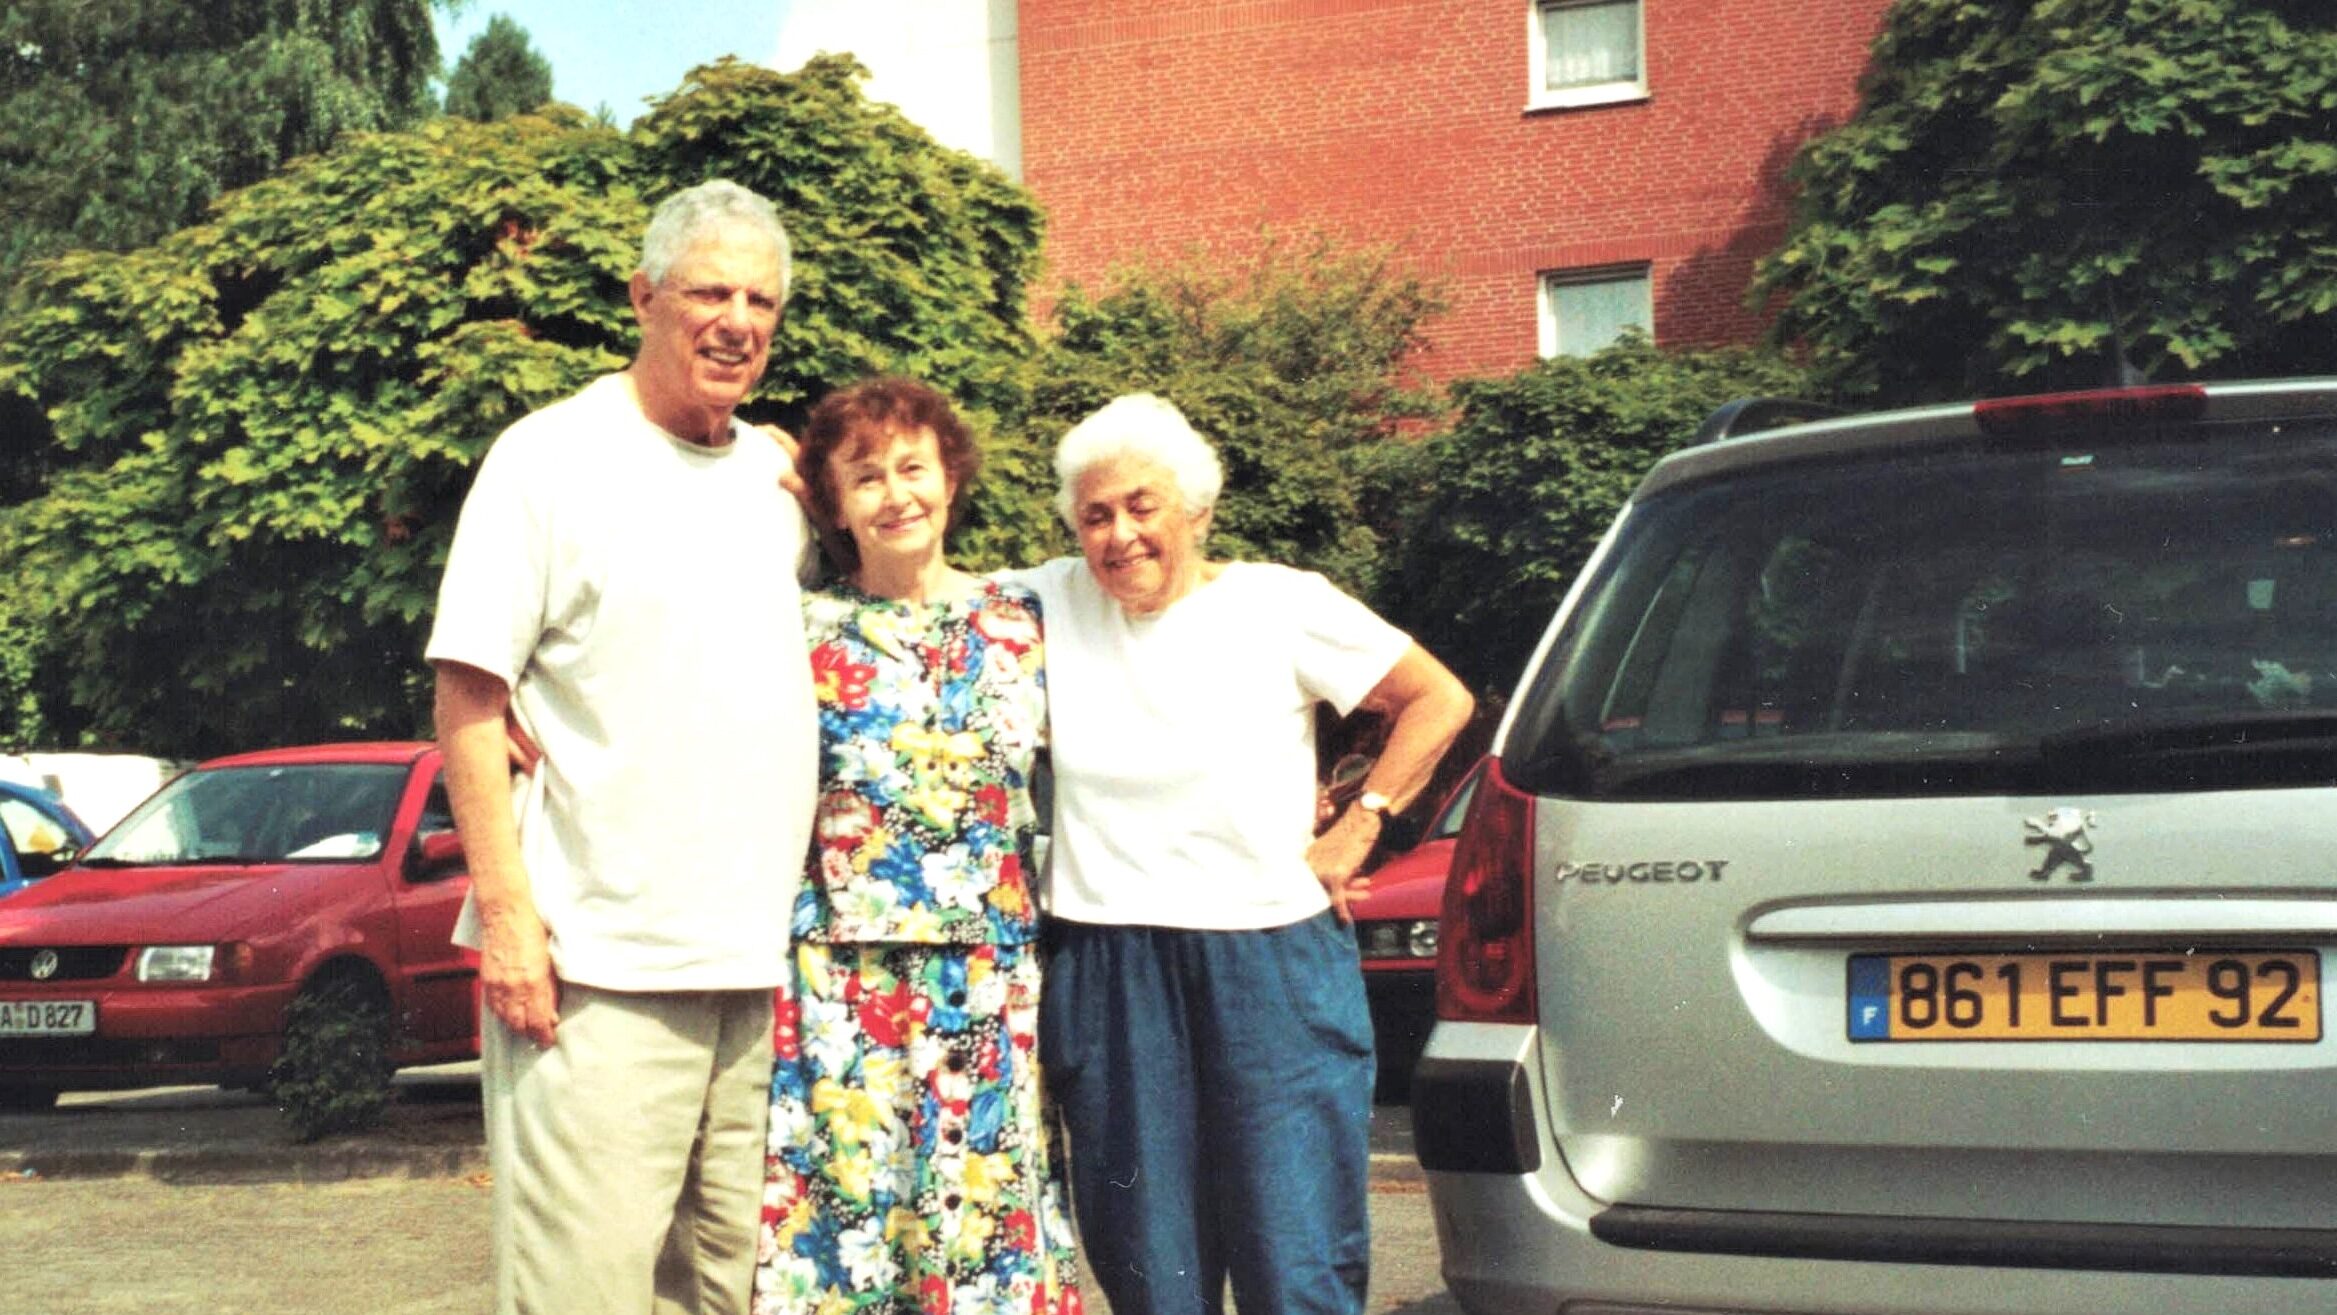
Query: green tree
x=2028, y=189
x=500, y=75
x=1528, y=478
x=265, y=423
x=121, y=119
x=1296, y=362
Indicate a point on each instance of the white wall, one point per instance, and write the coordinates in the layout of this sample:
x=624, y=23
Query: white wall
x=99, y=787
x=950, y=65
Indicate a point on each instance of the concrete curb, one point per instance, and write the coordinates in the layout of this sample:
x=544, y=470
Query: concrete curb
x=432, y=1130
x=330, y=1163
x=248, y=1164
x=1391, y=1172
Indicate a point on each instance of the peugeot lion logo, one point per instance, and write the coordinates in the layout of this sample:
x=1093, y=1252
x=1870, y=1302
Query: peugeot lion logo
x=2063, y=833
x=44, y=965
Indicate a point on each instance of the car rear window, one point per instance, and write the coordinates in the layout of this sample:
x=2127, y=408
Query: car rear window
x=2150, y=610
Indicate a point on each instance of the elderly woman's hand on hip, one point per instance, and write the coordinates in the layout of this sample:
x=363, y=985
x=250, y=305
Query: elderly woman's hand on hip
x=1337, y=857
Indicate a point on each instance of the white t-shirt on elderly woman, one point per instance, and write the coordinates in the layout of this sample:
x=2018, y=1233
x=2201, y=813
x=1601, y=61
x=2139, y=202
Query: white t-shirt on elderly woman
x=1184, y=743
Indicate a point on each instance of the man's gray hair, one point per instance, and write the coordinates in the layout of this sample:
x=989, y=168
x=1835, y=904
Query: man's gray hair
x=1142, y=427
x=691, y=214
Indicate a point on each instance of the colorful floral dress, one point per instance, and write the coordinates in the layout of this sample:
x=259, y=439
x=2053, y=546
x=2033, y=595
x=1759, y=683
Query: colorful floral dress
x=909, y=1167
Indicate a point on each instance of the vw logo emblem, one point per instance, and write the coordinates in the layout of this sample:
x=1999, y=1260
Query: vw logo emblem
x=44, y=965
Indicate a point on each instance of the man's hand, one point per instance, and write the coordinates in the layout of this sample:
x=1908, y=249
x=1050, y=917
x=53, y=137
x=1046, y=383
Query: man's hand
x=519, y=748
x=515, y=975
x=1337, y=857
x=482, y=744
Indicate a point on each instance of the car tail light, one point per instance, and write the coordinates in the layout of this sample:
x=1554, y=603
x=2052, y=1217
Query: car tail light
x=2012, y=417
x=1485, y=949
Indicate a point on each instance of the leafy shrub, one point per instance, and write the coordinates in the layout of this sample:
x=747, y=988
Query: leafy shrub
x=334, y=1072
x=1295, y=361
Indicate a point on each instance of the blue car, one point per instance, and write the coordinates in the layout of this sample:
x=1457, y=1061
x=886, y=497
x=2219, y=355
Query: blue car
x=43, y=835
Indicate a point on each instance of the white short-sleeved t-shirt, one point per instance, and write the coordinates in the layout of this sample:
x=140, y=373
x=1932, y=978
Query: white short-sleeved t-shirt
x=1184, y=742
x=639, y=596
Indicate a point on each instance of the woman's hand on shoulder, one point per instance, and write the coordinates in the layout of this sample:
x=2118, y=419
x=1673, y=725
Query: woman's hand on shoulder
x=792, y=480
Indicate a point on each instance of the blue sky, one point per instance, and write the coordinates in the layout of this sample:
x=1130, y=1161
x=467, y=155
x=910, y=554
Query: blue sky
x=617, y=52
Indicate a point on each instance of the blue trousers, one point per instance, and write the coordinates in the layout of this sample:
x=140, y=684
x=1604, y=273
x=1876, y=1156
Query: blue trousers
x=1215, y=1087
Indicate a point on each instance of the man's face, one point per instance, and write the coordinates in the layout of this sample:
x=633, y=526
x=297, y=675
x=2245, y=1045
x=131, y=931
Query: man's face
x=706, y=329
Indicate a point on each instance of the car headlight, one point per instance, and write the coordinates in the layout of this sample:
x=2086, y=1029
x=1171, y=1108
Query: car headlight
x=1420, y=938
x=176, y=963
x=1410, y=938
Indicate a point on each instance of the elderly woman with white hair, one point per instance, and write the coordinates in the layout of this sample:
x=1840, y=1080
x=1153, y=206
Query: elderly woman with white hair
x=1203, y=1024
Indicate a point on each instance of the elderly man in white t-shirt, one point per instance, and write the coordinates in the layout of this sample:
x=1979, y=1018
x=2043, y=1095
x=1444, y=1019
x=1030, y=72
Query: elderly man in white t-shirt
x=622, y=585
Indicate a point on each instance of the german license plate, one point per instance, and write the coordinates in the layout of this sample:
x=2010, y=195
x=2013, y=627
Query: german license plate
x=48, y=1017
x=2259, y=995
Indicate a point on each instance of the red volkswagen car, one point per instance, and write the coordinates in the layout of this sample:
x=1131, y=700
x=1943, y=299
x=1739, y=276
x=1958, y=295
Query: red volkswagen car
x=173, y=950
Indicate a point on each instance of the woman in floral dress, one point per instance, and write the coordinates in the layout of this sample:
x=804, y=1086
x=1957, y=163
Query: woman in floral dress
x=909, y=1165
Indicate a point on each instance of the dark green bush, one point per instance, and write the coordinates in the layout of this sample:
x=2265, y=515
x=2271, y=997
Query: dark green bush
x=333, y=1075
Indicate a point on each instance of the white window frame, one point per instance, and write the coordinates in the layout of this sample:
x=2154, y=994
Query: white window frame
x=1546, y=299
x=1539, y=97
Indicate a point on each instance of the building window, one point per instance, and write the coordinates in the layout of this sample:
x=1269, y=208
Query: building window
x=1586, y=309
x=1586, y=52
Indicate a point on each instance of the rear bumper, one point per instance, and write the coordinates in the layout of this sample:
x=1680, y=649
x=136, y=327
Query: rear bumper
x=1520, y=1237
x=2309, y=1253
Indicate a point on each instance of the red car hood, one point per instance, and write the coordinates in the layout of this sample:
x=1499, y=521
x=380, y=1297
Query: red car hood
x=146, y=906
x=1410, y=885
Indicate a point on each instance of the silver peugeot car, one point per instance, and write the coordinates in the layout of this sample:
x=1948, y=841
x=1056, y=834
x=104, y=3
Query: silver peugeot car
x=1905, y=878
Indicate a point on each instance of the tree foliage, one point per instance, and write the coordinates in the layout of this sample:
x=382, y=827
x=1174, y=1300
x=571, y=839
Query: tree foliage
x=1529, y=476
x=499, y=75
x=121, y=119
x=1295, y=361
x=265, y=423
x=2028, y=188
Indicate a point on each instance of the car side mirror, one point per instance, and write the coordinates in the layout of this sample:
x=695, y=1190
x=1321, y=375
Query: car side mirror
x=36, y=864
x=435, y=854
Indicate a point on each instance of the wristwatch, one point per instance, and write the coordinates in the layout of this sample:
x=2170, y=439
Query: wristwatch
x=1374, y=803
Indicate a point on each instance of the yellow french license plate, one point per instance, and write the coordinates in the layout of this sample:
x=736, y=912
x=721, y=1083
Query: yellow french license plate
x=2257, y=995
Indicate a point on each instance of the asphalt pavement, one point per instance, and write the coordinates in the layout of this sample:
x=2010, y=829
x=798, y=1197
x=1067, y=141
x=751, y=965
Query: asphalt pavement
x=432, y=1130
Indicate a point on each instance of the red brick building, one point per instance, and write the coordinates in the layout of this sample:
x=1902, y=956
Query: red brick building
x=1565, y=166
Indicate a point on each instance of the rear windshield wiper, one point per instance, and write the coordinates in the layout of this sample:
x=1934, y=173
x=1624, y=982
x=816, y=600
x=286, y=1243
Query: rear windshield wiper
x=2229, y=748
x=2272, y=729
x=1807, y=770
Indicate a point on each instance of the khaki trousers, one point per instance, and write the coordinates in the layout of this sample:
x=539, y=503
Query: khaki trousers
x=628, y=1157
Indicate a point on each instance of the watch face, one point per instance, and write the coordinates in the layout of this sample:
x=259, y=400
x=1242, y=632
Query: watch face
x=1371, y=801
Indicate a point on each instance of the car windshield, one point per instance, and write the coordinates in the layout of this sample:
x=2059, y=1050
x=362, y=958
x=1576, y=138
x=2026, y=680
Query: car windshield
x=2115, y=612
x=315, y=812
